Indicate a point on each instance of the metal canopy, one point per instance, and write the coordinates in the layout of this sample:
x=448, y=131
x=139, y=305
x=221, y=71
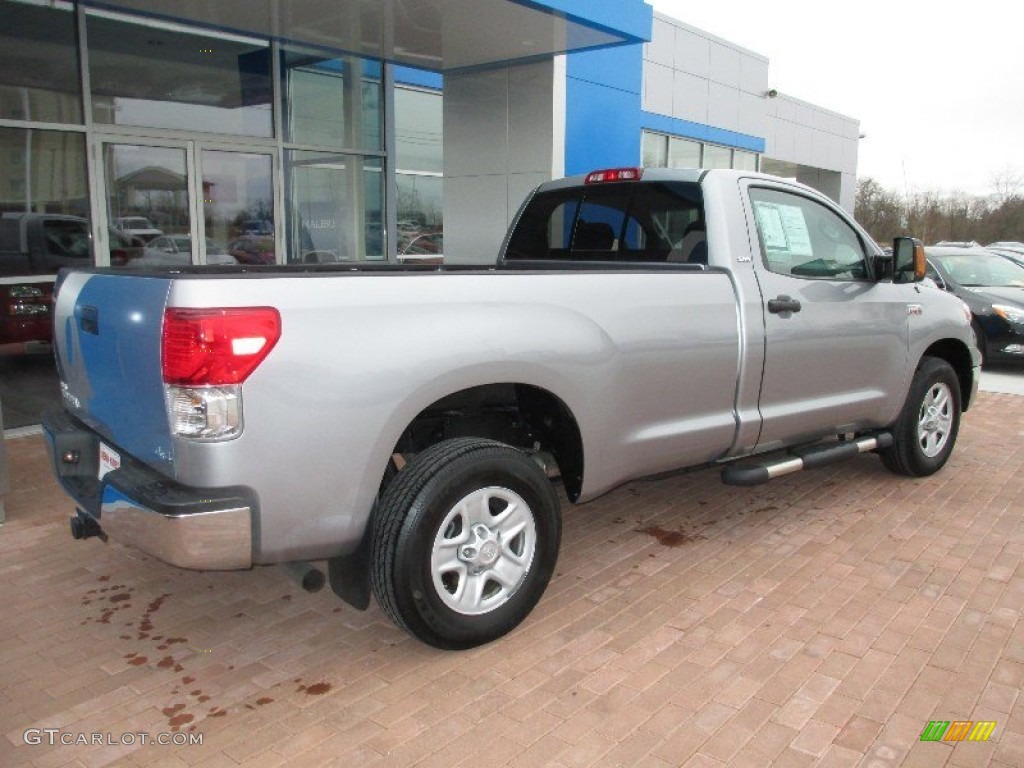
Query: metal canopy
x=439, y=35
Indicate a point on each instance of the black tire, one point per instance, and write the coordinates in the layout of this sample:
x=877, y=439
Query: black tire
x=923, y=439
x=426, y=529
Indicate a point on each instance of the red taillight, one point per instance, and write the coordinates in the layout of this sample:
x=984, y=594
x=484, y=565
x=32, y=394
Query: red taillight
x=217, y=346
x=615, y=174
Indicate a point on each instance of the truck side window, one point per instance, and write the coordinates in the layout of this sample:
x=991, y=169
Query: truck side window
x=631, y=221
x=67, y=238
x=803, y=238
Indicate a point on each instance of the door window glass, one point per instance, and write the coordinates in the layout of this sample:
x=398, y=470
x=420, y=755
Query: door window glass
x=147, y=199
x=803, y=238
x=238, y=208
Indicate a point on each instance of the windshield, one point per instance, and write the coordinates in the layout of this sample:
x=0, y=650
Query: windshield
x=978, y=271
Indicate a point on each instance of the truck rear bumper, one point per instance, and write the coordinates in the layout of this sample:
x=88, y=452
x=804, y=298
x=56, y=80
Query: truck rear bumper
x=196, y=528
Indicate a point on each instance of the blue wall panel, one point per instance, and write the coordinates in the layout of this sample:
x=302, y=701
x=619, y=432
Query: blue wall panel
x=631, y=19
x=603, y=108
x=701, y=132
x=604, y=118
x=418, y=77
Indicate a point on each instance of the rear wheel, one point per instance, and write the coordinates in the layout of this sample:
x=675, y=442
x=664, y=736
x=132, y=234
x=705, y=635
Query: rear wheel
x=926, y=431
x=465, y=541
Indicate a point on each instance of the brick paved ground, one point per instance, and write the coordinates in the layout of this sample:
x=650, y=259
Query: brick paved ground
x=822, y=619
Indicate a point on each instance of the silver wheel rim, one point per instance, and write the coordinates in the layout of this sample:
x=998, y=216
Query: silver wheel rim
x=936, y=420
x=483, y=550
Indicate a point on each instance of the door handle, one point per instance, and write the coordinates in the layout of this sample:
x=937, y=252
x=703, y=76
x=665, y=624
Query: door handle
x=782, y=305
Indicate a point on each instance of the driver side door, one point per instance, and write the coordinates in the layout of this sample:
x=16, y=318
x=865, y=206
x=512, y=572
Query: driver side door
x=836, y=340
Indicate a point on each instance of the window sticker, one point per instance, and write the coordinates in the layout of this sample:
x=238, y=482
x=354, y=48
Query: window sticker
x=796, y=230
x=769, y=220
x=783, y=228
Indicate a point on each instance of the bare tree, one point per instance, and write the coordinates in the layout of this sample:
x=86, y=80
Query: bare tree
x=880, y=211
x=1008, y=184
x=932, y=215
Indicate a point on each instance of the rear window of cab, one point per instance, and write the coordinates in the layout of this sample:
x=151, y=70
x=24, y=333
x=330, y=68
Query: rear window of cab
x=654, y=222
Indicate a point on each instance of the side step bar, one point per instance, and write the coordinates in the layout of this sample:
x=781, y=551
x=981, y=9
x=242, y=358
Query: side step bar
x=804, y=457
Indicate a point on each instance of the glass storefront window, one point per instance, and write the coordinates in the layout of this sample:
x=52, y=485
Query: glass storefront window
x=43, y=172
x=335, y=204
x=420, y=214
x=744, y=161
x=157, y=75
x=683, y=153
x=717, y=157
x=661, y=151
x=419, y=160
x=43, y=227
x=331, y=102
x=654, y=150
x=238, y=207
x=39, y=63
x=419, y=117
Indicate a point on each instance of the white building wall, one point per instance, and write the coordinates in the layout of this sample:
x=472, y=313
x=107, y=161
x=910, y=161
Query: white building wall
x=692, y=75
x=808, y=135
x=504, y=132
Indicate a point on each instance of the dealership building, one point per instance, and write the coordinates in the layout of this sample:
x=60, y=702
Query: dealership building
x=307, y=131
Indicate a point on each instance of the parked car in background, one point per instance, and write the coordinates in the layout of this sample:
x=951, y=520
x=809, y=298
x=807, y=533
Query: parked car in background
x=992, y=286
x=252, y=249
x=1007, y=253
x=138, y=227
x=176, y=251
x=257, y=227
x=958, y=244
x=1011, y=245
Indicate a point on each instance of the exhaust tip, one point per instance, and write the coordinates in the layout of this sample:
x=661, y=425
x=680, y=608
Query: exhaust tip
x=307, y=576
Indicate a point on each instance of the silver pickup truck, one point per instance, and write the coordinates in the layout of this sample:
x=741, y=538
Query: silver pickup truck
x=404, y=424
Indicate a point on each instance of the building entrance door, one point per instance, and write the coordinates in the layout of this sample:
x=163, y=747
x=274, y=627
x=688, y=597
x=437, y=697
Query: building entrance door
x=177, y=203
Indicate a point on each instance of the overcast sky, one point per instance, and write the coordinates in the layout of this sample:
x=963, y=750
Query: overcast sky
x=938, y=86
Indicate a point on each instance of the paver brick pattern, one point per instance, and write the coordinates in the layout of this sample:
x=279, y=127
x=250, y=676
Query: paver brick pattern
x=823, y=619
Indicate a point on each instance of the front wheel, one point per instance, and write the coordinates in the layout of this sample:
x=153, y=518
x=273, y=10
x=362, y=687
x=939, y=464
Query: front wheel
x=465, y=542
x=926, y=430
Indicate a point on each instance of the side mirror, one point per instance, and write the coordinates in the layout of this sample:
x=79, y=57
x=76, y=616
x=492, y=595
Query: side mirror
x=909, y=261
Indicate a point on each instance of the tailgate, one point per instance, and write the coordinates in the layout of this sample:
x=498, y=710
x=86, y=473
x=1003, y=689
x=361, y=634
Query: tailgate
x=107, y=332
